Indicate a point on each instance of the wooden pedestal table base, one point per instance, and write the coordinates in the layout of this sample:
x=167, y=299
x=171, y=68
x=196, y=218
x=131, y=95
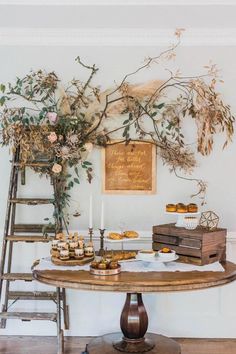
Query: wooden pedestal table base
x=104, y=345
x=134, y=324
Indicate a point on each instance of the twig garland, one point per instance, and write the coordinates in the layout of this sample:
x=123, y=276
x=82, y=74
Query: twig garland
x=64, y=124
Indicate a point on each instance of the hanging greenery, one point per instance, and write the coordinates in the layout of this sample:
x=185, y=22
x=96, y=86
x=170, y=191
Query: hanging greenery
x=63, y=124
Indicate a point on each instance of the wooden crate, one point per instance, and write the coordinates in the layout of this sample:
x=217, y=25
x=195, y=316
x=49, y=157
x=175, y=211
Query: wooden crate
x=198, y=246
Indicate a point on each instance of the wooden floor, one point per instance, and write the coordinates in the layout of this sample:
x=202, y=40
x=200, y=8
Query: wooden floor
x=74, y=345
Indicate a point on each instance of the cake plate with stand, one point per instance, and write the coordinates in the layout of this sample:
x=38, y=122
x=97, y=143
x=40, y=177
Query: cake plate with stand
x=180, y=217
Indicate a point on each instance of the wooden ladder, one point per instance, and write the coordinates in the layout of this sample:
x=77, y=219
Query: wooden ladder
x=28, y=233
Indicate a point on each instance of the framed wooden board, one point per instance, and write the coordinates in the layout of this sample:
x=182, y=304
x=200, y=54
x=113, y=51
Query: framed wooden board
x=129, y=169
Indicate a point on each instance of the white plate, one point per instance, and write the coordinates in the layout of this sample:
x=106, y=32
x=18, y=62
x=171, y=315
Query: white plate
x=183, y=214
x=125, y=239
x=157, y=259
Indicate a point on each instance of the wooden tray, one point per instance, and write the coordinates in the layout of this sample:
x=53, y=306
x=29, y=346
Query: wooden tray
x=105, y=271
x=72, y=262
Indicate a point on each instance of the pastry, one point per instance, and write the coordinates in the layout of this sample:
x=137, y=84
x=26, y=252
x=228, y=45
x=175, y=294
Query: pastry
x=181, y=208
x=113, y=265
x=119, y=256
x=102, y=265
x=165, y=250
x=131, y=234
x=115, y=236
x=192, y=208
x=171, y=208
x=94, y=264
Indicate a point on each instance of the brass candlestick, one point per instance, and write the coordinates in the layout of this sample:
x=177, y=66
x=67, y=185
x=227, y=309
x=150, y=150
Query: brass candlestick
x=101, y=251
x=90, y=234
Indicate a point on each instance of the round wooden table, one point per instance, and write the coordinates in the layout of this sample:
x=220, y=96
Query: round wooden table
x=134, y=319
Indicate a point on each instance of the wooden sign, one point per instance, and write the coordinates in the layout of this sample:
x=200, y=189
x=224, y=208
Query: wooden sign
x=129, y=168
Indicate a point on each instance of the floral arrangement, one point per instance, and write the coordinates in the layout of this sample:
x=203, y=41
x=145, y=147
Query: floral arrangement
x=43, y=118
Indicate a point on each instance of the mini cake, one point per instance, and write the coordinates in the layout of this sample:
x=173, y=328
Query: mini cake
x=64, y=255
x=73, y=244
x=181, y=208
x=166, y=253
x=89, y=250
x=171, y=208
x=61, y=245
x=79, y=253
x=192, y=208
x=54, y=244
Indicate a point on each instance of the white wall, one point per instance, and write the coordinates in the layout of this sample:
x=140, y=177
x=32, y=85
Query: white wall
x=207, y=313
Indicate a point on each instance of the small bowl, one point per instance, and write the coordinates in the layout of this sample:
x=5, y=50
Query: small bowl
x=167, y=256
x=146, y=254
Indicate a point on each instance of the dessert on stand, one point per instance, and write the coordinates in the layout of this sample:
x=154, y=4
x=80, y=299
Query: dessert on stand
x=71, y=250
x=187, y=214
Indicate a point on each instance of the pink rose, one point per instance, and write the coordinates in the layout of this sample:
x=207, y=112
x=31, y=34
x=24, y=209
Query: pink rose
x=52, y=137
x=56, y=168
x=52, y=117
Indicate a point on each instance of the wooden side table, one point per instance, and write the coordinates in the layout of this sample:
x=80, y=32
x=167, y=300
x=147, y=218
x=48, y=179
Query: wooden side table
x=134, y=319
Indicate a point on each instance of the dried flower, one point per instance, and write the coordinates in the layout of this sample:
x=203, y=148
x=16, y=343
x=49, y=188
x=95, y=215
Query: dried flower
x=65, y=151
x=56, y=168
x=88, y=147
x=52, y=117
x=52, y=137
x=73, y=139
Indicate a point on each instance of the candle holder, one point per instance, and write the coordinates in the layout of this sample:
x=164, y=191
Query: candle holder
x=101, y=250
x=90, y=234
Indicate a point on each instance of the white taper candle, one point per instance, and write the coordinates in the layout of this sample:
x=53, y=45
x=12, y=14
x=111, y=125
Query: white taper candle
x=91, y=211
x=102, y=216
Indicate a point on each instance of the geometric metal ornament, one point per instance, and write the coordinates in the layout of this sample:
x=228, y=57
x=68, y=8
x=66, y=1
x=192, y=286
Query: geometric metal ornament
x=209, y=220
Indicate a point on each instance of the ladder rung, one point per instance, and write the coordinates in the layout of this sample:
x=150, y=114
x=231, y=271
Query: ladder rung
x=17, y=276
x=32, y=295
x=25, y=238
x=33, y=164
x=34, y=228
x=26, y=316
x=31, y=201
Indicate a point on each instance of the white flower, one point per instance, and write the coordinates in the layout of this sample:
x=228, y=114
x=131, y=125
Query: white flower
x=88, y=147
x=52, y=117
